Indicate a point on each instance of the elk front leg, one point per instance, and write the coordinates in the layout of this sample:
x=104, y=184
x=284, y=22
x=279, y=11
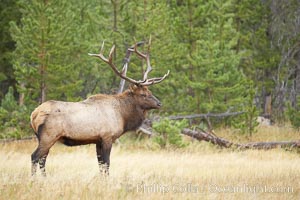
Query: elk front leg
x=103, y=153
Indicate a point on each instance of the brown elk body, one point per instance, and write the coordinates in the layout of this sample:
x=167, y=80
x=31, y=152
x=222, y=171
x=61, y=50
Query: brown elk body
x=100, y=119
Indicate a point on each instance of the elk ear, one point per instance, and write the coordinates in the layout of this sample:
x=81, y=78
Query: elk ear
x=132, y=88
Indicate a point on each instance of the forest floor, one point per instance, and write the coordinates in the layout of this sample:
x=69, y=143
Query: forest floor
x=139, y=170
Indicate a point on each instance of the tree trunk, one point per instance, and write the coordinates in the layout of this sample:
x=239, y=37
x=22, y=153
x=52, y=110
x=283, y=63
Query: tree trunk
x=268, y=106
x=43, y=90
x=22, y=95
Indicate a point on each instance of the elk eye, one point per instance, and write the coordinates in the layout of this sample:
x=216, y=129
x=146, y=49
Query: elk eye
x=143, y=95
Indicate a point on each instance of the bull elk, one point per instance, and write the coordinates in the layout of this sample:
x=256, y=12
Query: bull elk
x=100, y=119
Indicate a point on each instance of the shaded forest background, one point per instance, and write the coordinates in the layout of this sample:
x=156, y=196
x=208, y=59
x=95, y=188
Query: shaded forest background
x=224, y=56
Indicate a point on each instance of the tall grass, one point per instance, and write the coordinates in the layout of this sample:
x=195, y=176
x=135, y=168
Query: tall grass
x=144, y=173
x=264, y=133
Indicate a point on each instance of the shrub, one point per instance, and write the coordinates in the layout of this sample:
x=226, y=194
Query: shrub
x=293, y=114
x=247, y=122
x=168, y=133
x=14, y=119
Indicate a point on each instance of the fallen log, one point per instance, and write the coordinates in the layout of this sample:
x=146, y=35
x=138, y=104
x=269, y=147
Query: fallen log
x=207, y=115
x=208, y=137
x=201, y=135
x=270, y=145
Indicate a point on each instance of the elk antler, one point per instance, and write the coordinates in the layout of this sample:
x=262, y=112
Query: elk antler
x=145, y=81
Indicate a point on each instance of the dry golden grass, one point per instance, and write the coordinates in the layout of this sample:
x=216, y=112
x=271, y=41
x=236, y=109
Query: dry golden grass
x=264, y=134
x=140, y=173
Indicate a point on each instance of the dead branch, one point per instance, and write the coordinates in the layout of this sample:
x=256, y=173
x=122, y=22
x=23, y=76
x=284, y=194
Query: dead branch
x=270, y=145
x=145, y=131
x=216, y=115
x=201, y=135
x=208, y=137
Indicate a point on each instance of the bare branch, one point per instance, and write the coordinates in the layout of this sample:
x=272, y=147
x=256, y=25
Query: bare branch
x=217, y=115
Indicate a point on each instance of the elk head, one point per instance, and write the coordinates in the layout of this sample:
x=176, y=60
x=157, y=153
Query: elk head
x=144, y=97
x=138, y=90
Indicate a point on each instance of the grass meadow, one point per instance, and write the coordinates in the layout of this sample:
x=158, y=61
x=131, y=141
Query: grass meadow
x=140, y=170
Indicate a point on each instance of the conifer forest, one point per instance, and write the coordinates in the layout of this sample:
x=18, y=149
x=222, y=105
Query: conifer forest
x=224, y=56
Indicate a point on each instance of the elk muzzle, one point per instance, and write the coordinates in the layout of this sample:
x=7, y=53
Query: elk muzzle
x=157, y=102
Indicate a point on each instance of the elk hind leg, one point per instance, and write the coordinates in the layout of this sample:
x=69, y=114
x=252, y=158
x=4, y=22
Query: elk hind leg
x=39, y=156
x=34, y=161
x=35, y=157
x=41, y=153
x=42, y=163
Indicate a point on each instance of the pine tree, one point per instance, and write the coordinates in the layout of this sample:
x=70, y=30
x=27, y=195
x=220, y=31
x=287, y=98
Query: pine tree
x=258, y=58
x=185, y=25
x=152, y=19
x=45, y=49
x=214, y=81
x=53, y=42
x=8, y=12
x=247, y=122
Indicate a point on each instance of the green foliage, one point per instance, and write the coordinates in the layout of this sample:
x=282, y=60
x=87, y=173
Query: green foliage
x=168, y=133
x=14, y=119
x=53, y=40
x=8, y=12
x=213, y=81
x=44, y=40
x=247, y=122
x=212, y=49
x=293, y=114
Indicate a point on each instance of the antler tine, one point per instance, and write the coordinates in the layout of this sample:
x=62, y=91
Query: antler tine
x=137, y=51
x=144, y=56
x=111, y=53
x=153, y=81
x=112, y=65
x=149, y=68
x=100, y=54
x=122, y=73
x=102, y=47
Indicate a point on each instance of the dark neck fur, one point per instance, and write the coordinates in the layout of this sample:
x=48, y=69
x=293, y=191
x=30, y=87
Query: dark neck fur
x=132, y=113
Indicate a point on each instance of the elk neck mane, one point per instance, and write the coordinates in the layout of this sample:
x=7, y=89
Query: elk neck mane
x=132, y=113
